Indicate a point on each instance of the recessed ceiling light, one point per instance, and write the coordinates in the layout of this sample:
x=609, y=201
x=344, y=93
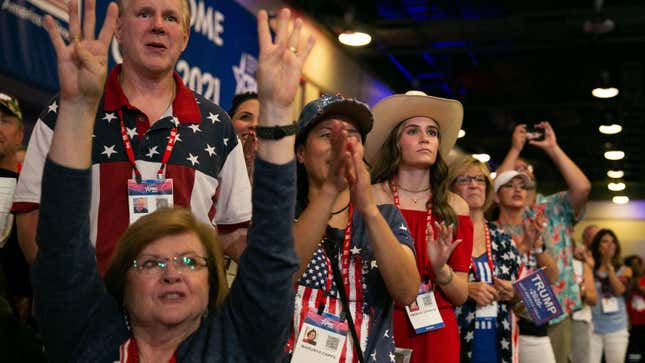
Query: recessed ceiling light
x=605, y=92
x=620, y=199
x=614, y=155
x=616, y=187
x=354, y=39
x=482, y=157
x=610, y=129
x=461, y=133
x=615, y=174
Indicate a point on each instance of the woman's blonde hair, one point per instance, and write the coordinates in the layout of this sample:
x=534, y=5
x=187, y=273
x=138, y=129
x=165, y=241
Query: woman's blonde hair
x=460, y=166
x=167, y=222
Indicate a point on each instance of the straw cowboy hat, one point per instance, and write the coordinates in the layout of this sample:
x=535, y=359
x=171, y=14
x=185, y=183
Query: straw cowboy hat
x=394, y=109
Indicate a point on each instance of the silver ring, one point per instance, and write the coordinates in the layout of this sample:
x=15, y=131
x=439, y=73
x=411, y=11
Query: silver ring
x=293, y=50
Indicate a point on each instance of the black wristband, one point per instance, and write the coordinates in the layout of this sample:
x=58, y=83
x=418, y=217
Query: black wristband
x=275, y=132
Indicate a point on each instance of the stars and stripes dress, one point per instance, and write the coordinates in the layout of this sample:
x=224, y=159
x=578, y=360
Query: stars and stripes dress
x=369, y=301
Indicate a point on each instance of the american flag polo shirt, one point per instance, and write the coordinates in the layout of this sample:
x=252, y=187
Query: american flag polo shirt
x=206, y=164
x=369, y=300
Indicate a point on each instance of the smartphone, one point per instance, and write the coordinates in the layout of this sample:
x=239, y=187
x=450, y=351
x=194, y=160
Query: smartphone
x=534, y=134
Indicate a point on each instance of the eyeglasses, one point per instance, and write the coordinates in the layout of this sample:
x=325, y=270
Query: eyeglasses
x=466, y=179
x=183, y=263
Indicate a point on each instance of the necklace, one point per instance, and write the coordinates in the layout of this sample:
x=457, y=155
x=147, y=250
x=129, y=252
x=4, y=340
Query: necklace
x=413, y=191
x=340, y=210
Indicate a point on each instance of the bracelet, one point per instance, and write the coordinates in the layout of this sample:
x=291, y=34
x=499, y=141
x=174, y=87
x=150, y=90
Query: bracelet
x=275, y=132
x=450, y=278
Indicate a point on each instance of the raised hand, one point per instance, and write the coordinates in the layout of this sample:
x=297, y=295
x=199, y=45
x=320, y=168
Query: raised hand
x=549, y=141
x=249, y=146
x=483, y=293
x=82, y=64
x=533, y=229
x=359, y=178
x=440, y=249
x=280, y=65
x=519, y=137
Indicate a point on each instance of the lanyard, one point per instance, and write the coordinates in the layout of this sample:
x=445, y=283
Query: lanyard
x=130, y=152
x=344, y=258
x=397, y=203
x=131, y=355
x=489, y=254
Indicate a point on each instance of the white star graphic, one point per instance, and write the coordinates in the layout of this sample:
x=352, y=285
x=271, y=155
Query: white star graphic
x=210, y=150
x=132, y=132
x=226, y=141
x=178, y=138
x=373, y=264
x=504, y=269
x=469, y=336
x=470, y=317
x=355, y=250
x=109, y=117
x=152, y=151
x=507, y=325
x=391, y=357
x=108, y=151
x=504, y=344
x=192, y=158
x=175, y=121
x=53, y=107
x=373, y=356
x=213, y=118
x=387, y=333
x=403, y=227
x=195, y=128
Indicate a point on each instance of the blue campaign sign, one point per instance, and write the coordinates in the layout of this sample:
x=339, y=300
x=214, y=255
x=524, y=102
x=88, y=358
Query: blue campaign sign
x=219, y=62
x=538, y=297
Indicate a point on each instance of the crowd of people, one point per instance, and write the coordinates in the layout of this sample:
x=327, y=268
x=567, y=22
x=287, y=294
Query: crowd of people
x=159, y=229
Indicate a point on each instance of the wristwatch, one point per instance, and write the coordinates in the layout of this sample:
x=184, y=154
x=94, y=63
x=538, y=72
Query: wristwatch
x=276, y=132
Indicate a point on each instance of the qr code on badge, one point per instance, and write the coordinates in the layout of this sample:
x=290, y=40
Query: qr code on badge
x=332, y=343
x=427, y=299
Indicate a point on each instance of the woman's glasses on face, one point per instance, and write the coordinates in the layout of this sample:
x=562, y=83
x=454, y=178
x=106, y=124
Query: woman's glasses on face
x=183, y=263
x=466, y=179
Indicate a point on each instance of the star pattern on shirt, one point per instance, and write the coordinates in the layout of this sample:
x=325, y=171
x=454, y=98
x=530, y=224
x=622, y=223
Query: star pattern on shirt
x=213, y=117
x=226, y=141
x=175, y=121
x=387, y=333
x=403, y=227
x=152, y=151
x=108, y=151
x=469, y=336
x=373, y=264
x=355, y=250
x=391, y=357
x=470, y=316
x=109, y=116
x=53, y=107
x=178, y=138
x=505, y=344
x=193, y=159
x=132, y=132
x=210, y=150
x=195, y=128
x=373, y=356
x=315, y=275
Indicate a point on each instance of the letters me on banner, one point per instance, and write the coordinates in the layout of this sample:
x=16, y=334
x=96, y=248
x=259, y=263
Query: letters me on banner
x=538, y=297
x=218, y=63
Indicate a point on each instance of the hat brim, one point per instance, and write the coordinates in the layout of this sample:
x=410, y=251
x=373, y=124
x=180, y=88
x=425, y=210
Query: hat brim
x=507, y=176
x=8, y=111
x=392, y=110
x=357, y=112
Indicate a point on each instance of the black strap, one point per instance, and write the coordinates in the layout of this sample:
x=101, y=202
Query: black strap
x=340, y=286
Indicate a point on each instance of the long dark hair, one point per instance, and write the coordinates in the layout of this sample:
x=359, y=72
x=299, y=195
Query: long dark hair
x=387, y=163
x=595, y=249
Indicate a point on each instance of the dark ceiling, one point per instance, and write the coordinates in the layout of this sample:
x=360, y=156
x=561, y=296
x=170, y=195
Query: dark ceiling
x=510, y=62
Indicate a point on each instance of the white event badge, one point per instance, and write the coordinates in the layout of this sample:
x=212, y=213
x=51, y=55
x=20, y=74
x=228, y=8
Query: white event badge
x=638, y=303
x=321, y=339
x=609, y=304
x=424, y=312
x=487, y=312
x=148, y=196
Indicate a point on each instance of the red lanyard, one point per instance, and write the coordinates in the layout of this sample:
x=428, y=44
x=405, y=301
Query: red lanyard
x=132, y=355
x=397, y=203
x=489, y=254
x=130, y=152
x=344, y=258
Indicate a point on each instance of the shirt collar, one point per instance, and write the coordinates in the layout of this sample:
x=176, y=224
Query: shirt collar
x=184, y=105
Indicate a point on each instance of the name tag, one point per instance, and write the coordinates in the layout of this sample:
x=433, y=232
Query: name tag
x=609, y=304
x=321, y=339
x=148, y=196
x=424, y=312
x=487, y=312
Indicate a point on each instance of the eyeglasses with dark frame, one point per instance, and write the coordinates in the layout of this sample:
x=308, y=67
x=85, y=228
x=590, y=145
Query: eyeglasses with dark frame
x=466, y=179
x=151, y=264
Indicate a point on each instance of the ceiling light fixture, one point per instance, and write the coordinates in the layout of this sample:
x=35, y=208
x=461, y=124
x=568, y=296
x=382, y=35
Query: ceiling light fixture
x=615, y=174
x=620, y=199
x=616, y=187
x=610, y=129
x=484, y=158
x=604, y=88
x=614, y=155
x=354, y=39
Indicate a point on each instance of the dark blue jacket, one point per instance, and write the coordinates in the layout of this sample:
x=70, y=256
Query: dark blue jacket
x=81, y=322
